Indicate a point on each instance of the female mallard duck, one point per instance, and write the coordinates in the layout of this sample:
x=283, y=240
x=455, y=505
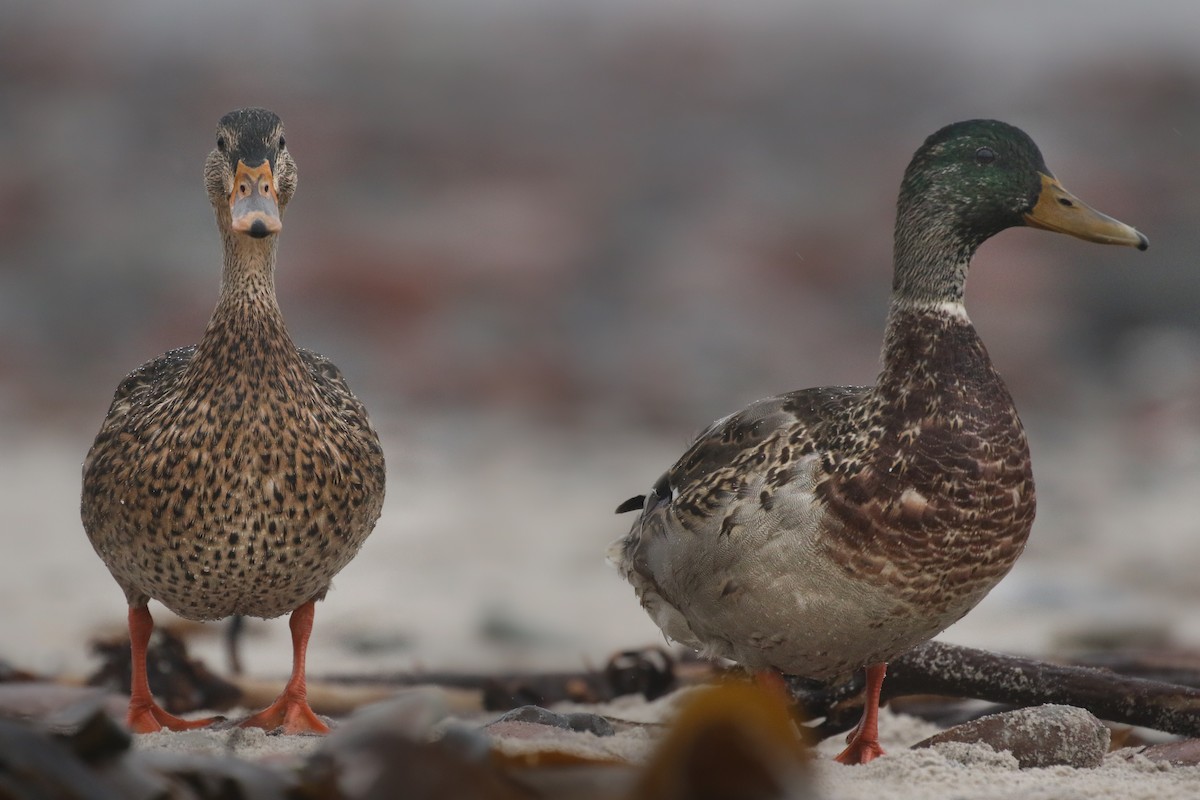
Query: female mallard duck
x=827, y=529
x=237, y=476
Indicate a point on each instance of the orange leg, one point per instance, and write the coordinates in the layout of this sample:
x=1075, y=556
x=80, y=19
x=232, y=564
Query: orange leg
x=145, y=715
x=864, y=739
x=290, y=711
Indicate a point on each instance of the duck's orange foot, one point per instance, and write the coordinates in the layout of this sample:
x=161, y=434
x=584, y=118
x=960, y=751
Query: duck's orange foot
x=151, y=718
x=287, y=715
x=860, y=751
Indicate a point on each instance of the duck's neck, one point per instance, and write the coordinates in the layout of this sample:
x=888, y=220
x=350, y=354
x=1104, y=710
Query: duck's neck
x=247, y=328
x=930, y=341
x=931, y=254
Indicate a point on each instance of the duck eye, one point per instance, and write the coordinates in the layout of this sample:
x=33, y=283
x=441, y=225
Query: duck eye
x=282, y=143
x=985, y=155
x=221, y=143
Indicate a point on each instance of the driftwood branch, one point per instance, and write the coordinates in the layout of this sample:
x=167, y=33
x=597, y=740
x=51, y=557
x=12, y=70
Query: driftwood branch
x=945, y=669
x=650, y=672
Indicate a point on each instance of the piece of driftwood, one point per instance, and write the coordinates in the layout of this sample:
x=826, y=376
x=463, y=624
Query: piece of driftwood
x=937, y=668
x=330, y=699
x=1176, y=666
x=650, y=672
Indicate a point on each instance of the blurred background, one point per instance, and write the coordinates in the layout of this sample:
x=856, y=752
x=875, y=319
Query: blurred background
x=548, y=241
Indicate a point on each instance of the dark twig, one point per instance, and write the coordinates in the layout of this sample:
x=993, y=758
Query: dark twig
x=650, y=672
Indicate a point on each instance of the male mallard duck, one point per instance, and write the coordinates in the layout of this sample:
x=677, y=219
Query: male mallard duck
x=237, y=476
x=828, y=529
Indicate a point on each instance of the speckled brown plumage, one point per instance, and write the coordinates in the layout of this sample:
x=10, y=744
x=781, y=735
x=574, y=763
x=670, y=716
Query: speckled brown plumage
x=236, y=477
x=828, y=529
x=240, y=475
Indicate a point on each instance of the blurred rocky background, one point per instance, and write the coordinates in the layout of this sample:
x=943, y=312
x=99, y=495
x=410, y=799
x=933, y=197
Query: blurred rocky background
x=548, y=240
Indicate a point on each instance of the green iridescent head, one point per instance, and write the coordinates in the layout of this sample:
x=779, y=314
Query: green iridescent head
x=968, y=182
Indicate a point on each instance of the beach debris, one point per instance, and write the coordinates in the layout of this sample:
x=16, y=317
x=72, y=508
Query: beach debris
x=728, y=740
x=734, y=741
x=648, y=671
x=391, y=765
x=935, y=668
x=212, y=777
x=581, y=721
x=385, y=751
x=34, y=765
x=88, y=728
x=42, y=700
x=1041, y=736
x=89, y=757
x=651, y=672
x=505, y=692
x=180, y=682
x=1182, y=753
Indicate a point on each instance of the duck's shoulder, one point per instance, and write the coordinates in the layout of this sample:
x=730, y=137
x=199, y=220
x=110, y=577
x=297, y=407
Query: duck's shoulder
x=325, y=374
x=151, y=381
x=334, y=391
x=140, y=401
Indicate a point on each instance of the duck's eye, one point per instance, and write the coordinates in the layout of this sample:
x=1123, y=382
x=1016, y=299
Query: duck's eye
x=985, y=155
x=221, y=143
x=282, y=143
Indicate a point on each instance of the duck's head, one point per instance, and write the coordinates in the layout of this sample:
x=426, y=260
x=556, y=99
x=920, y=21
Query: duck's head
x=968, y=182
x=249, y=174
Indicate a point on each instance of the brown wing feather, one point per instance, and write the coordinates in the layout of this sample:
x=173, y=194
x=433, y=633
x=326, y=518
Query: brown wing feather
x=770, y=433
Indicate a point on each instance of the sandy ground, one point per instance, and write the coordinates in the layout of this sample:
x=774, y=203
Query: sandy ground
x=952, y=771
x=490, y=555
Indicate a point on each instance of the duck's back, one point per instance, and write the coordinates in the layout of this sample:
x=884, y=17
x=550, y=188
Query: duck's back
x=239, y=484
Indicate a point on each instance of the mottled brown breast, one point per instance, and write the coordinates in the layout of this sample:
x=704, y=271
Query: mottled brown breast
x=936, y=496
x=238, y=477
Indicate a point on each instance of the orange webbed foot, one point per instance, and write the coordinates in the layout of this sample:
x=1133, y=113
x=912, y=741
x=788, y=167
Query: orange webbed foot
x=864, y=740
x=152, y=718
x=287, y=715
x=859, y=751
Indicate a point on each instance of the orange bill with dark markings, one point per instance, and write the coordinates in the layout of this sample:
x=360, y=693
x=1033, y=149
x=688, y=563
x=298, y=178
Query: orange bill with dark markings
x=254, y=203
x=1062, y=212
